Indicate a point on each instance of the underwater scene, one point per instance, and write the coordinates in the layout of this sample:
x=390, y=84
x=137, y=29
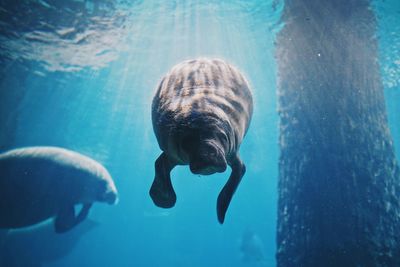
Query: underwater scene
x=199, y=133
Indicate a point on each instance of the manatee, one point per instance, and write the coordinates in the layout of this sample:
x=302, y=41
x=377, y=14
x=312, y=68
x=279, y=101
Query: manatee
x=252, y=248
x=201, y=112
x=37, y=183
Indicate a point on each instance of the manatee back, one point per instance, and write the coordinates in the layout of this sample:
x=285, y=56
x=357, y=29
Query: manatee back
x=48, y=166
x=197, y=89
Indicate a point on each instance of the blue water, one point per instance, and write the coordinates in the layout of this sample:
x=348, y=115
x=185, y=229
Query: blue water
x=388, y=33
x=81, y=75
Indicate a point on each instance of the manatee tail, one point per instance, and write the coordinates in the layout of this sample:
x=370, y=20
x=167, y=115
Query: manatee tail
x=226, y=194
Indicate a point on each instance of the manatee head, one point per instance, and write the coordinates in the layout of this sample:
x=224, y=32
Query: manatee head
x=106, y=191
x=98, y=185
x=206, y=151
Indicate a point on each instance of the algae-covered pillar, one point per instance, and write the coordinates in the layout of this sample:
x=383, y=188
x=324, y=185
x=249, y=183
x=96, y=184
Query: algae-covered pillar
x=338, y=178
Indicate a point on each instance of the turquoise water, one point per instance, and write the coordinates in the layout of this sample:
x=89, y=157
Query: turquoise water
x=388, y=17
x=82, y=75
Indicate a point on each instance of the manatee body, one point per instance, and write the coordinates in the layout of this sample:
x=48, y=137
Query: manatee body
x=200, y=112
x=38, y=183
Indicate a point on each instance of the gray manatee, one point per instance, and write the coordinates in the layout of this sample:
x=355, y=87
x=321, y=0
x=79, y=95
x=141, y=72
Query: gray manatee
x=36, y=245
x=38, y=183
x=200, y=112
x=252, y=248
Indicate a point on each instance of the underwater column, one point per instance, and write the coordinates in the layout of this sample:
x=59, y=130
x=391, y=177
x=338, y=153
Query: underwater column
x=338, y=176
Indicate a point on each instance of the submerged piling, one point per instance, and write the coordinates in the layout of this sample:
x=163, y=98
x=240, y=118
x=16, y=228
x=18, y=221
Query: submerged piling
x=338, y=177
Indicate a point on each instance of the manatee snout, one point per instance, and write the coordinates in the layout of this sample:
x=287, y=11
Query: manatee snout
x=209, y=159
x=110, y=197
x=108, y=193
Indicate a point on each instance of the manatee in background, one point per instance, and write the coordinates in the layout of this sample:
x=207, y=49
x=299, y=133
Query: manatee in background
x=252, y=249
x=200, y=112
x=39, y=244
x=38, y=183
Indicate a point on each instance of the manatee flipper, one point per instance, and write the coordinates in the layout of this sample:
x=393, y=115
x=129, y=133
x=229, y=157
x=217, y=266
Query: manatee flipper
x=66, y=219
x=84, y=212
x=161, y=190
x=226, y=194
